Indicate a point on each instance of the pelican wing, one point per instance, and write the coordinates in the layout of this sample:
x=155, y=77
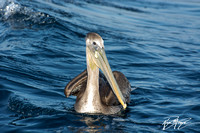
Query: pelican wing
x=107, y=95
x=77, y=87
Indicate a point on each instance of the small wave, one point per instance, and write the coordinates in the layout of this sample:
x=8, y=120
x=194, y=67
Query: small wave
x=115, y=5
x=24, y=108
x=14, y=12
x=10, y=9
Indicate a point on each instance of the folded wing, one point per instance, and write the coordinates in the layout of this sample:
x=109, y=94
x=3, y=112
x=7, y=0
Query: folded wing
x=77, y=87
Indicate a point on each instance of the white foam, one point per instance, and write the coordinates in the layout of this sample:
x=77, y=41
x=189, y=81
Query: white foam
x=11, y=9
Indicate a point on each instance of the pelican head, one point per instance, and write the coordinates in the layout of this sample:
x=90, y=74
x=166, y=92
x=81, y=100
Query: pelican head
x=95, y=50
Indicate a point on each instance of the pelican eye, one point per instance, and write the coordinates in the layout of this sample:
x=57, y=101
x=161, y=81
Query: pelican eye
x=94, y=43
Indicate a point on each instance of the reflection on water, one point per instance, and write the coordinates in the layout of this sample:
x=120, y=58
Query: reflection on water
x=93, y=124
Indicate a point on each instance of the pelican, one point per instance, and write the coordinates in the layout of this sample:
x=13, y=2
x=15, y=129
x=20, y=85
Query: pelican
x=95, y=92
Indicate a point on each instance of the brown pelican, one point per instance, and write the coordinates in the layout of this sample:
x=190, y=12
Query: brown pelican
x=95, y=92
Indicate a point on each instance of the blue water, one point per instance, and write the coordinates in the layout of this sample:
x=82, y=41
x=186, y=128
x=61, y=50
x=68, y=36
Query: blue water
x=155, y=43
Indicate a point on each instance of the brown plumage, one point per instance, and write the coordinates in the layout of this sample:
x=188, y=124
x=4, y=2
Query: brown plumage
x=77, y=87
x=95, y=92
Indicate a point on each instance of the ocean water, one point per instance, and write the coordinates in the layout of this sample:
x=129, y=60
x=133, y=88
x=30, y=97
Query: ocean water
x=155, y=43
